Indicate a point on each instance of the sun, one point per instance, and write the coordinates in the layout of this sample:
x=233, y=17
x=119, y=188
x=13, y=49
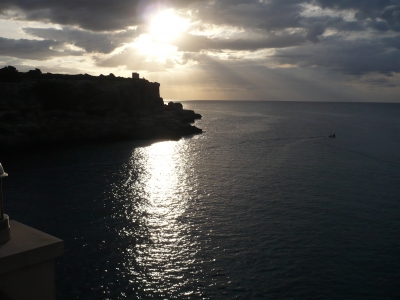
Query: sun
x=166, y=26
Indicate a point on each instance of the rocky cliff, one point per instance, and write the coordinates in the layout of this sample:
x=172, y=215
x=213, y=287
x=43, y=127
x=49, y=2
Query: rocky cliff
x=39, y=109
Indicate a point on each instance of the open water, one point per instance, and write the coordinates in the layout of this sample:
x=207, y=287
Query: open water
x=263, y=205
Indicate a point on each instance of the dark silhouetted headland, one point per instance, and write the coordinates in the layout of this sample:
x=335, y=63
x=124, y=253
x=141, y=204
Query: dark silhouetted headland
x=40, y=109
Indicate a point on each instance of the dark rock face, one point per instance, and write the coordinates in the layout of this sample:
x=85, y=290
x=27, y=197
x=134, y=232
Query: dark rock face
x=41, y=109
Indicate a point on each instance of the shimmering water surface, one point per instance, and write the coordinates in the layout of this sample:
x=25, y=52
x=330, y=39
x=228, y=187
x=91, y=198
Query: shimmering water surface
x=263, y=205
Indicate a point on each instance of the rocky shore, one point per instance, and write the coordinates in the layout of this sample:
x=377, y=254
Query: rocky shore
x=53, y=109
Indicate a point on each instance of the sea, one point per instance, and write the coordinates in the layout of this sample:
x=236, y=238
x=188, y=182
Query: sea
x=262, y=205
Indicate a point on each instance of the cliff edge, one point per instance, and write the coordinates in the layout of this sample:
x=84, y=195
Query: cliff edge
x=39, y=109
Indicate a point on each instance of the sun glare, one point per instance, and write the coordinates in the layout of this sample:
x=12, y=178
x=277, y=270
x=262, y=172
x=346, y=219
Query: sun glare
x=147, y=46
x=166, y=25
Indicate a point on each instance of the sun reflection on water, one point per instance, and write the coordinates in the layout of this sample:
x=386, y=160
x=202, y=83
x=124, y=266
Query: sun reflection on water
x=156, y=195
x=162, y=185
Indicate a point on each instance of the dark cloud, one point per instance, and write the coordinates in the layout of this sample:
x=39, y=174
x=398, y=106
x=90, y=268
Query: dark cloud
x=274, y=16
x=391, y=42
x=392, y=17
x=97, y=15
x=105, y=15
x=32, y=49
x=316, y=26
x=277, y=15
x=196, y=43
x=270, y=15
x=362, y=5
x=355, y=57
x=380, y=14
x=87, y=40
x=378, y=81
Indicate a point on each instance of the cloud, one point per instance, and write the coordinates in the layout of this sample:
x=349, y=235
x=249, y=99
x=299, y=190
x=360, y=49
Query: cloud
x=277, y=15
x=32, y=49
x=352, y=37
x=220, y=73
x=363, y=5
x=271, y=15
x=215, y=78
x=133, y=60
x=105, y=15
x=99, y=15
x=196, y=43
x=355, y=57
x=379, y=14
x=89, y=41
x=378, y=81
x=43, y=67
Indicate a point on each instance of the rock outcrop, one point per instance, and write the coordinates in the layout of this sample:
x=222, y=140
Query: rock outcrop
x=39, y=109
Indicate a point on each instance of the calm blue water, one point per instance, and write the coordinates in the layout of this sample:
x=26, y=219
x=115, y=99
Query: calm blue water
x=263, y=205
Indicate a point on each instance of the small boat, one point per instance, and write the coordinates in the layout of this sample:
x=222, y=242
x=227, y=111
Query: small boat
x=332, y=136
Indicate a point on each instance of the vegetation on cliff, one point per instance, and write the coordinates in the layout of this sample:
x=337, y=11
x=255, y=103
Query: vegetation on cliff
x=41, y=109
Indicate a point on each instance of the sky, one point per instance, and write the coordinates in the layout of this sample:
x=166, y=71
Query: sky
x=293, y=50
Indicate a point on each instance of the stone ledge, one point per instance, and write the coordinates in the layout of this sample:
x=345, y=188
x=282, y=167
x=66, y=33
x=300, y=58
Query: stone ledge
x=27, y=247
